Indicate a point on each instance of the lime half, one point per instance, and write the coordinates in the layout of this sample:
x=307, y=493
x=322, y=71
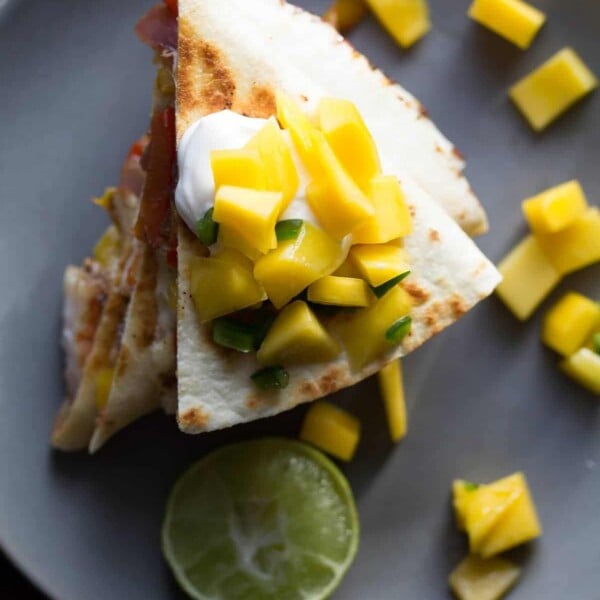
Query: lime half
x=265, y=519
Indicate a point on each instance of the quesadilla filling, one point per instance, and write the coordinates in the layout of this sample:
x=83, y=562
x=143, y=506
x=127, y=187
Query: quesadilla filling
x=305, y=236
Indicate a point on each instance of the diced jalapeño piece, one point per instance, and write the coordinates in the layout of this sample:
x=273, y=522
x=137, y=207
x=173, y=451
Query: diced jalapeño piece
x=478, y=579
x=378, y=263
x=407, y=21
x=297, y=337
x=206, y=228
x=241, y=168
x=271, y=378
x=288, y=229
x=339, y=291
x=584, y=368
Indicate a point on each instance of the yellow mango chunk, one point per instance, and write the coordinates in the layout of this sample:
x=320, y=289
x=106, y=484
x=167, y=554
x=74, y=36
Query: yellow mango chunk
x=518, y=524
x=104, y=380
x=528, y=277
x=229, y=238
x=108, y=247
x=279, y=168
x=514, y=20
x=296, y=337
x=363, y=332
x=251, y=214
x=337, y=201
x=392, y=219
x=339, y=291
x=392, y=390
x=570, y=322
x=220, y=287
x=240, y=168
x=350, y=139
x=576, y=246
x=295, y=264
x=478, y=579
x=348, y=269
x=331, y=429
x=584, y=368
x=547, y=92
x=407, y=21
x=461, y=495
x=379, y=263
x=345, y=14
x=556, y=208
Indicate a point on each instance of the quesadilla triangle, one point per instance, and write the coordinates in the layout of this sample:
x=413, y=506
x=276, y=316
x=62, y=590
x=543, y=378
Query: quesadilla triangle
x=311, y=250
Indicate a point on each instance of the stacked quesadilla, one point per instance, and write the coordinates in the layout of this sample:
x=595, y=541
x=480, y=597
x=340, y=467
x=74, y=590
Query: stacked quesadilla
x=230, y=74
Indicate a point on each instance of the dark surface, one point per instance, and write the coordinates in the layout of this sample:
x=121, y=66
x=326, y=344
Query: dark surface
x=485, y=397
x=14, y=585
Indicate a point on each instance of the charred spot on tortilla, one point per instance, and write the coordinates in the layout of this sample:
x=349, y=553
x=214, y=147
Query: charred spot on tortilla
x=194, y=418
x=434, y=235
x=417, y=292
x=261, y=102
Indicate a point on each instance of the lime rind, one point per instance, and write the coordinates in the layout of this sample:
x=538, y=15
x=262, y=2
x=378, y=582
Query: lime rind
x=254, y=547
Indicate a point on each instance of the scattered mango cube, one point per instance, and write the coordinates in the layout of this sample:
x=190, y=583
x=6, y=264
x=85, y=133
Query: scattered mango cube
x=348, y=269
x=295, y=264
x=331, y=429
x=514, y=20
x=363, y=332
x=251, y=214
x=379, y=263
x=104, y=380
x=240, y=168
x=279, y=169
x=584, y=368
x=392, y=219
x=528, y=277
x=339, y=291
x=229, y=238
x=553, y=87
x=407, y=21
x=220, y=287
x=555, y=208
x=350, y=139
x=478, y=579
x=392, y=390
x=461, y=494
x=297, y=337
x=345, y=14
x=108, y=247
x=576, y=246
x=570, y=322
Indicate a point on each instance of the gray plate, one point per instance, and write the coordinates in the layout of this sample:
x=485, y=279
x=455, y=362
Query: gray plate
x=486, y=398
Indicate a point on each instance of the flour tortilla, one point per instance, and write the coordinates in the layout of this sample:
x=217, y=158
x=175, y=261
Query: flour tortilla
x=306, y=44
x=225, y=62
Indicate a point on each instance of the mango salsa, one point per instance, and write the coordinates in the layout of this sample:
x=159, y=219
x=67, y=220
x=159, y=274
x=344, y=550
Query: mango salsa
x=219, y=287
x=478, y=579
x=576, y=246
x=350, y=139
x=570, y=322
x=555, y=208
x=252, y=214
x=331, y=429
x=295, y=264
x=392, y=390
x=528, y=277
x=363, y=332
x=104, y=379
x=392, y=219
x=279, y=168
x=552, y=88
x=584, y=368
x=229, y=238
x=339, y=291
x=297, y=337
x=379, y=263
x=514, y=20
x=241, y=168
x=406, y=20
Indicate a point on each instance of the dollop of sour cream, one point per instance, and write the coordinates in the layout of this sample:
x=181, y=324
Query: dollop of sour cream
x=223, y=130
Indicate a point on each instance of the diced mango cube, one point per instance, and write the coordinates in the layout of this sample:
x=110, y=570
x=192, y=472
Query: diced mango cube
x=350, y=139
x=514, y=20
x=295, y=264
x=584, y=368
x=220, y=287
x=392, y=390
x=251, y=214
x=576, y=246
x=461, y=496
x=556, y=208
x=380, y=262
x=478, y=579
x=407, y=21
x=363, y=332
x=242, y=167
x=392, y=219
x=104, y=380
x=297, y=337
x=229, y=238
x=570, y=322
x=339, y=291
x=279, y=168
x=345, y=14
x=108, y=247
x=331, y=429
x=348, y=269
x=528, y=277
x=553, y=87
